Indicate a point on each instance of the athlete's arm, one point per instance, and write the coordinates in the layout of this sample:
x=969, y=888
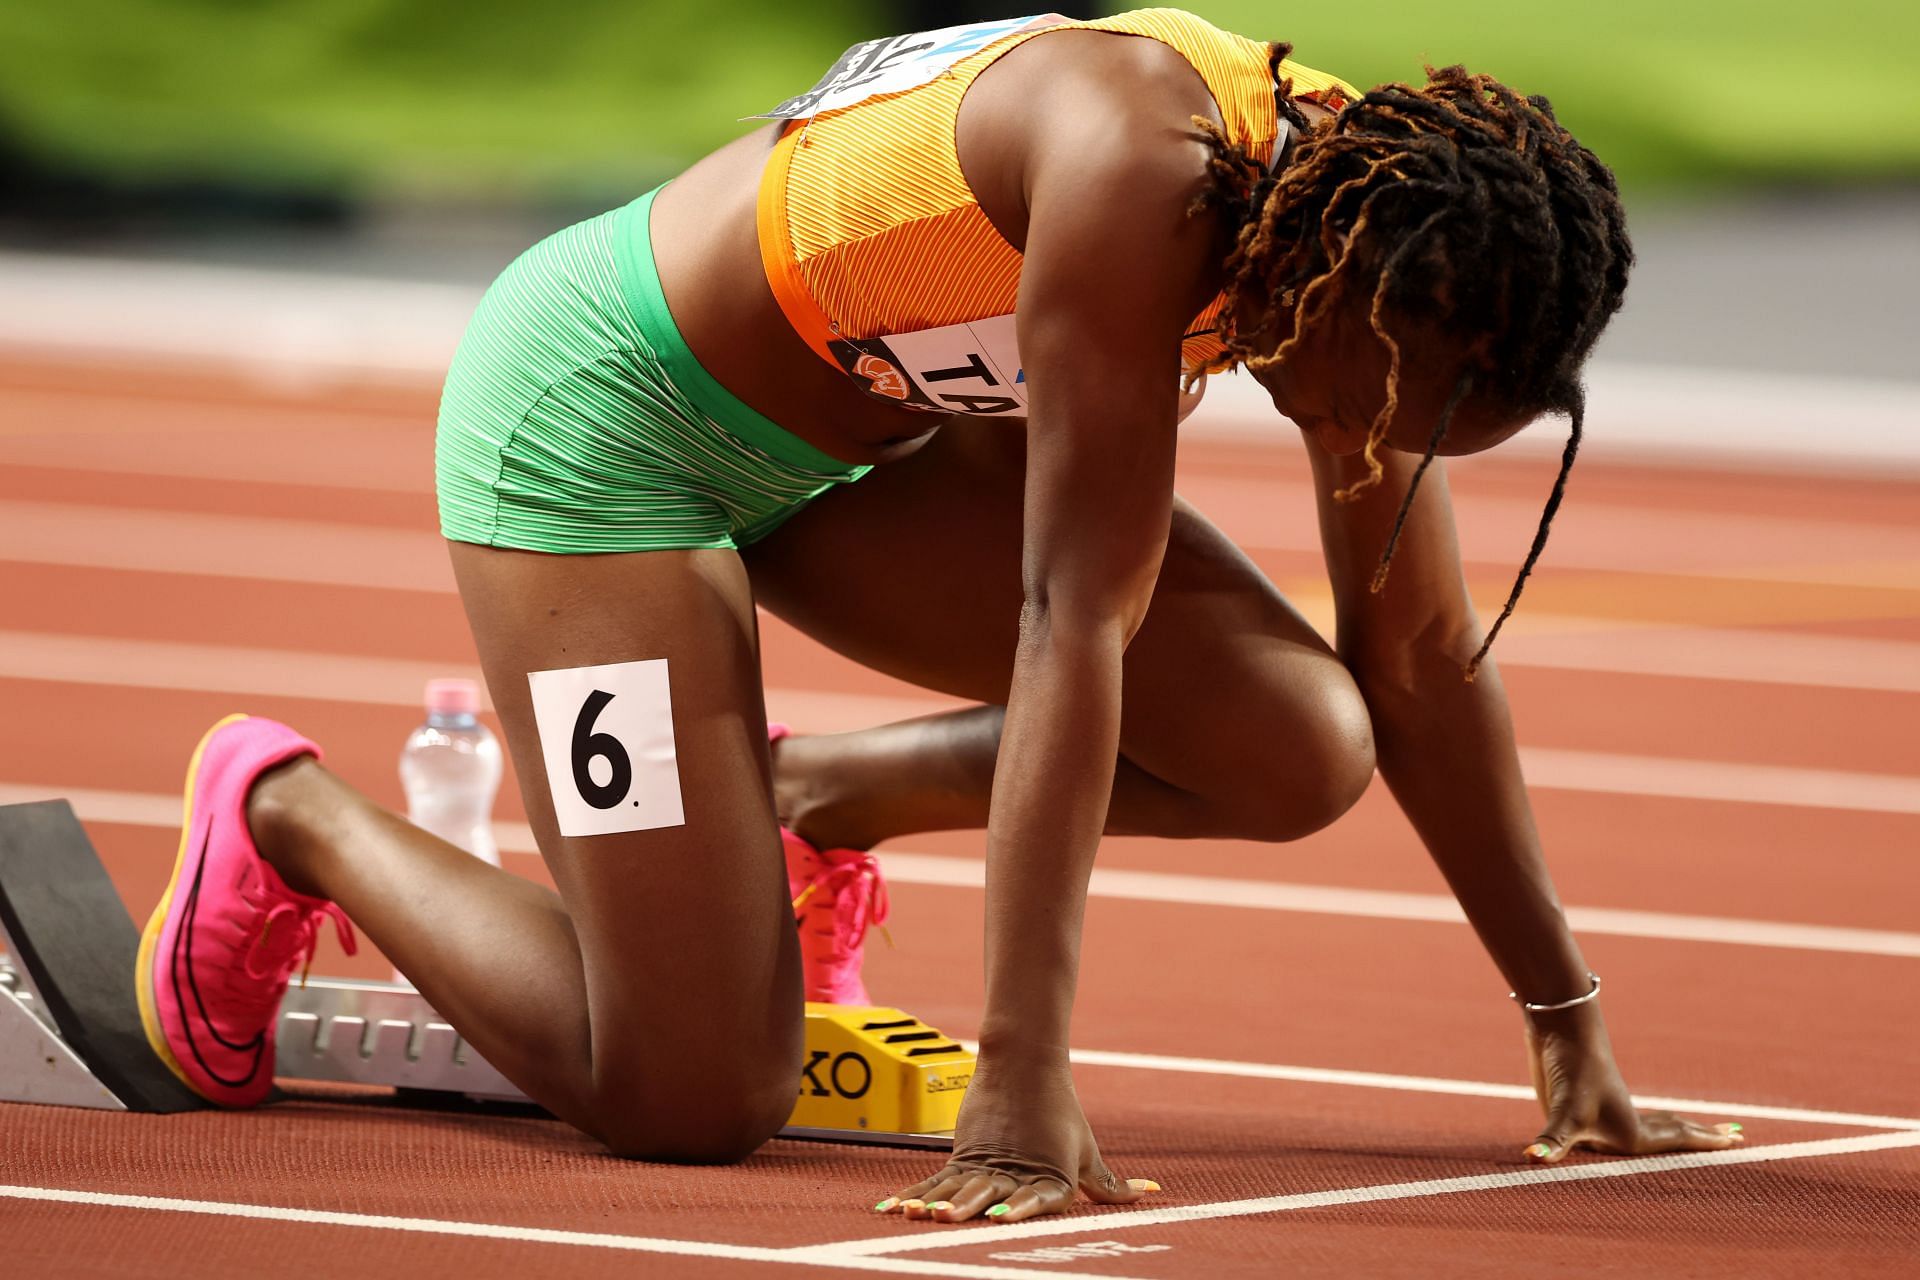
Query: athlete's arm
x=1446, y=749
x=1112, y=264
x=1103, y=300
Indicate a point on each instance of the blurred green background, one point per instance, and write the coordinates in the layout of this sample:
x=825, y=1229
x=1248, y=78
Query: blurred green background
x=576, y=100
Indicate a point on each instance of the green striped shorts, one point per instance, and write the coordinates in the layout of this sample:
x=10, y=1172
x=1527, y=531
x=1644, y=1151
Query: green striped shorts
x=576, y=420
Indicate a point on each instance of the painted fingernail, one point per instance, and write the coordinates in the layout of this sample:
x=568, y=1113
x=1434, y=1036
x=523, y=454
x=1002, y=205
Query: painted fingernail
x=938, y=1205
x=1730, y=1127
x=998, y=1210
x=1539, y=1151
x=913, y=1204
x=1143, y=1184
x=890, y=1202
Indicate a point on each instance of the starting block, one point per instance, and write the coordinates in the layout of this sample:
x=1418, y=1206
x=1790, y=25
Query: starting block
x=70, y=1032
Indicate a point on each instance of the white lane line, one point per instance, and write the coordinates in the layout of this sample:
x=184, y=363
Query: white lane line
x=1269, y=514
x=1380, y=904
x=1678, y=415
x=127, y=433
x=210, y=668
x=124, y=808
x=531, y=1235
x=1469, y=1088
x=350, y=554
x=298, y=327
x=334, y=677
x=1262, y=515
x=1806, y=659
x=347, y=554
x=1612, y=774
x=905, y=868
x=157, y=809
x=224, y=546
x=1134, y=1219
x=161, y=664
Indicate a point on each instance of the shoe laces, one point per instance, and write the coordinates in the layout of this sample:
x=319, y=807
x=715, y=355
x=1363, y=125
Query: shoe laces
x=858, y=893
x=290, y=934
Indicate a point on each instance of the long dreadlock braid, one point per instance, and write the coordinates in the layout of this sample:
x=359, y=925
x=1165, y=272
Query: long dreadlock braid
x=1459, y=205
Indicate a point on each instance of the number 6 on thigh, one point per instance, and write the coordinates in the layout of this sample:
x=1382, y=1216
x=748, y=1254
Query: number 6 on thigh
x=606, y=737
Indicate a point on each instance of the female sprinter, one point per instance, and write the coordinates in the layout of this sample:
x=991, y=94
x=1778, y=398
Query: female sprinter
x=1034, y=220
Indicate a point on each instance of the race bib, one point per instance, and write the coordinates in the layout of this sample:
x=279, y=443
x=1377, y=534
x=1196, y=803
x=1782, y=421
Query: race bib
x=898, y=63
x=971, y=368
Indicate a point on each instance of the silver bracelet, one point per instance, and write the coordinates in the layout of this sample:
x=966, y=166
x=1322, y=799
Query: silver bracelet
x=1593, y=993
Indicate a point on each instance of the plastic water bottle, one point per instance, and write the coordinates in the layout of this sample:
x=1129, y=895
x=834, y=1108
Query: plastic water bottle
x=451, y=770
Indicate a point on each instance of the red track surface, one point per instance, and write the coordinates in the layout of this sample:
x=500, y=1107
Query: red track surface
x=154, y=524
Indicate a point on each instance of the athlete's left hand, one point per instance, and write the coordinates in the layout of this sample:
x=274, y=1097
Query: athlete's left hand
x=1586, y=1101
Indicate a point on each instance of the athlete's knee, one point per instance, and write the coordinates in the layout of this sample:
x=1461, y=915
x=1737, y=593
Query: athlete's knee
x=722, y=1117
x=1343, y=760
x=707, y=1091
x=1319, y=759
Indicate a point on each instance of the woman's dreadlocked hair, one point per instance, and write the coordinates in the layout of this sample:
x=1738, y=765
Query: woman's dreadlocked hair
x=1461, y=204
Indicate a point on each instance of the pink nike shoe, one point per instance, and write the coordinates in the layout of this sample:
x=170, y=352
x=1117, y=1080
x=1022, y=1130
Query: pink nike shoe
x=217, y=955
x=837, y=895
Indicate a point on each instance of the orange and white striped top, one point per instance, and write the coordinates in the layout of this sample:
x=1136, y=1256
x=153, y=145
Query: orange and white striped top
x=876, y=249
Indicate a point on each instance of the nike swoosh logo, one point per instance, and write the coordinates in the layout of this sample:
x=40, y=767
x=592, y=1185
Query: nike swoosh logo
x=181, y=961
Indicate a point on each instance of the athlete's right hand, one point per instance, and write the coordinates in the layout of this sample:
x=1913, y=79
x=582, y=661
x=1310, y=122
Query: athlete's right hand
x=1021, y=1148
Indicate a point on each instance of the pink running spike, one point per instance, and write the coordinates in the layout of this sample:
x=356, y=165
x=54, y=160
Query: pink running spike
x=837, y=895
x=217, y=955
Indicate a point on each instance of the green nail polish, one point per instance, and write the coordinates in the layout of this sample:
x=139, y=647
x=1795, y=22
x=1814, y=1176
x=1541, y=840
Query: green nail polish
x=997, y=1210
x=886, y=1204
x=938, y=1205
x=1733, y=1128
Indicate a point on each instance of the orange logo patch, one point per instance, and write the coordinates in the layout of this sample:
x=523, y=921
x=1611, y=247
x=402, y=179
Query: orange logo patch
x=887, y=380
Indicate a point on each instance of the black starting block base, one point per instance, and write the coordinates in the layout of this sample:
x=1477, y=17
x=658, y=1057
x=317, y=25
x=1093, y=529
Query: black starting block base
x=73, y=947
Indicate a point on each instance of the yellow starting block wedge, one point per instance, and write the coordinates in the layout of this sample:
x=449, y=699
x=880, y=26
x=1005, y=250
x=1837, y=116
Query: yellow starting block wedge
x=878, y=1071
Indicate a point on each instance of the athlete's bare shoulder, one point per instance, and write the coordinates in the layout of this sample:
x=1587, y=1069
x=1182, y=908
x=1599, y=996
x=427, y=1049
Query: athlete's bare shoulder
x=1108, y=112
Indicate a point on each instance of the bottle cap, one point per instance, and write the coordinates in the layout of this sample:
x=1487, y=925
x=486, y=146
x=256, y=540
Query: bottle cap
x=453, y=697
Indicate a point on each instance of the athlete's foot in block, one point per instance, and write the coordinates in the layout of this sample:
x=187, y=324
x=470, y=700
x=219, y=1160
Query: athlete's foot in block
x=274, y=807
x=838, y=895
x=229, y=933
x=813, y=803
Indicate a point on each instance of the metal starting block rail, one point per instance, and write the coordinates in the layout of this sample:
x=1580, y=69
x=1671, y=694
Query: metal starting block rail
x=70, y=1032
x=36, y=1065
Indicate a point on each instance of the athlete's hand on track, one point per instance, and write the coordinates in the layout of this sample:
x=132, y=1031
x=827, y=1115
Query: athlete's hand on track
x=1586, y=1101
x=1021, y=1148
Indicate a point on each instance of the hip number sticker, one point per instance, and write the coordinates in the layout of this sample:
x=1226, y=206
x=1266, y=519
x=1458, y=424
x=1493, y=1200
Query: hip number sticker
x=606, y=737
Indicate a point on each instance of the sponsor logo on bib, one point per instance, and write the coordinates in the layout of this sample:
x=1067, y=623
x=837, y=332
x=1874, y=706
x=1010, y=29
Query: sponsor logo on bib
x=882, y=378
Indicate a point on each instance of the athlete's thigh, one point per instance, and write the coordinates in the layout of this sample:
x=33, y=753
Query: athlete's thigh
x=915, y=571
x=691, y=962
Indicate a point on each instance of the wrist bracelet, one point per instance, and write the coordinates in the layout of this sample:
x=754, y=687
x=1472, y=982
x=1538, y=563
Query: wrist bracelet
x=1593, y=993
